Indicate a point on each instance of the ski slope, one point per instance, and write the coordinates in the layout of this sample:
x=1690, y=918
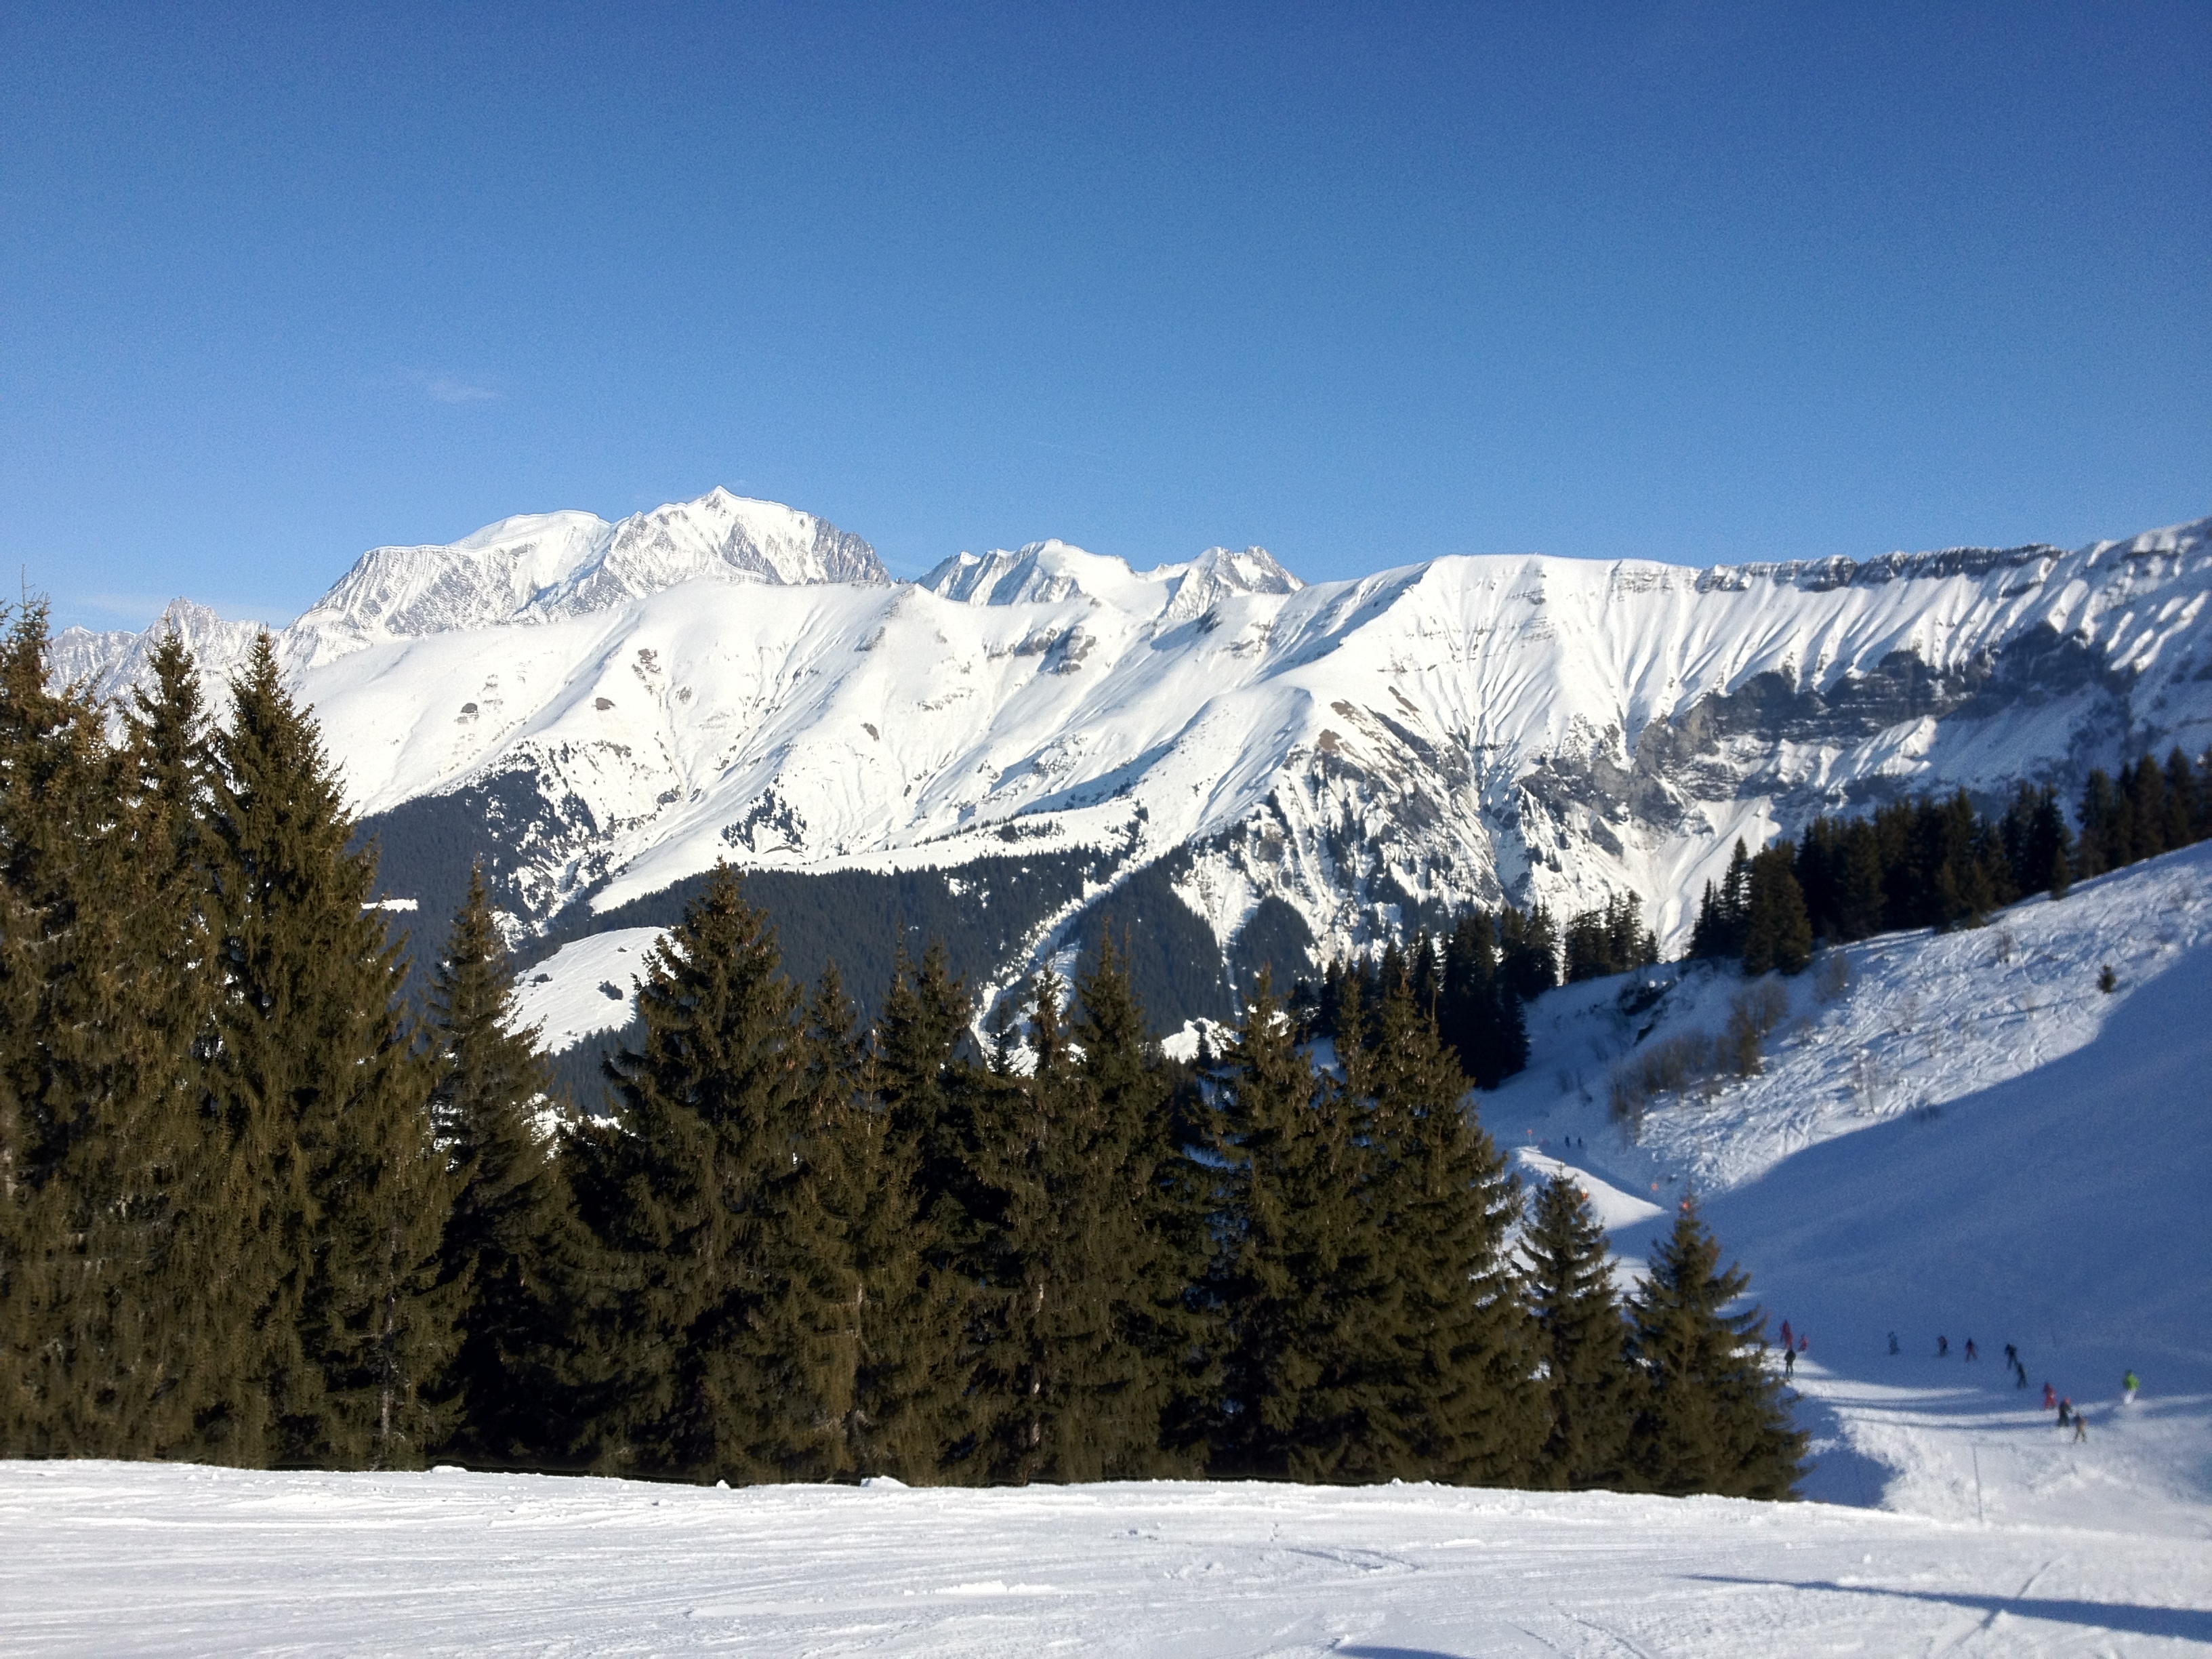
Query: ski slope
x=110, y=1558
x=2018, y=1157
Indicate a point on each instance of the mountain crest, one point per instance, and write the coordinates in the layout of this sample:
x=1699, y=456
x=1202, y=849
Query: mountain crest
x=542, y=566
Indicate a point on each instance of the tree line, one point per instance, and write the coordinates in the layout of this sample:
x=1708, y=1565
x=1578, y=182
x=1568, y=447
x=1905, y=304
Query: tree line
x=253, y=1212
x=1940, y=862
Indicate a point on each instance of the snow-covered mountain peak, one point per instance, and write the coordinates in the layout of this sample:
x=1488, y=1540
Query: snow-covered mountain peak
x=1220, y=572
x=540, y=566
x=1049, y=571
x=719, y=535
x=111, y=661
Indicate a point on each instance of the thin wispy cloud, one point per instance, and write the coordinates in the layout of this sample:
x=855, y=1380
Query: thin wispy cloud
x=449, y=389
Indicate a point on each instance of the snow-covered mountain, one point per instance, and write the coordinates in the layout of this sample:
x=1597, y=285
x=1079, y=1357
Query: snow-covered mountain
x=606, y=710
x=537, y=567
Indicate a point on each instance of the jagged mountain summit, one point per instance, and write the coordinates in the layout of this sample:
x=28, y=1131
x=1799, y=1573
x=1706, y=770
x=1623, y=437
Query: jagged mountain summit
x=536, y=567
x=1048, y=572
x=1256, y=768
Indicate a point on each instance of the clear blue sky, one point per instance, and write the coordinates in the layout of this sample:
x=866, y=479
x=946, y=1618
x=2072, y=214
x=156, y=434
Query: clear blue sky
x=1364, y=283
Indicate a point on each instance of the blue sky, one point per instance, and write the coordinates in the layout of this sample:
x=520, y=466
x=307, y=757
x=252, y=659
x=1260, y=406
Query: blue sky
x=1365, y=284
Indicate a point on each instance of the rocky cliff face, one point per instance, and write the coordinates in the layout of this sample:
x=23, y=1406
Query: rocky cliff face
x=607, y=711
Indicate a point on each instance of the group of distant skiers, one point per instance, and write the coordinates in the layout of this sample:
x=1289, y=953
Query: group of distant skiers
x=1793, y=1344
x=2069, y=1416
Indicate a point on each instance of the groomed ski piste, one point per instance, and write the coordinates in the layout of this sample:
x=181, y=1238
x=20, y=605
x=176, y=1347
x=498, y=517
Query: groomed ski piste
x=1964, y=1136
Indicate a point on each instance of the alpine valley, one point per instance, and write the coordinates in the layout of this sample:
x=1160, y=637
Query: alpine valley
x=1239, y=767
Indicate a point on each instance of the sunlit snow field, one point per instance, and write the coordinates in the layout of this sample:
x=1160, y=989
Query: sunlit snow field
x=1968, y=1138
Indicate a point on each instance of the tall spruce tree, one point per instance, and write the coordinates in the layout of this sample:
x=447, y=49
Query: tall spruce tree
x=509, y=1236
x=1711, y=1415
x=1157, y=1233
x=1777, y=933
x=1581, y=1339
x=863, y=1175
x=681, y=1191
x=1455, y=1355
x=925, y=1350
x=115, y=1338
x=1304, y=1298
x=1072, y=1392
x=1724, y=911
x=328, y=1099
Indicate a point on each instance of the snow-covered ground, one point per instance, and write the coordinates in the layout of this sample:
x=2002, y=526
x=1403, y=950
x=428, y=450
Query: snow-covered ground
x=1968, y=1139
x=2021, y=1158
x=585, y=987
x=108, y=1558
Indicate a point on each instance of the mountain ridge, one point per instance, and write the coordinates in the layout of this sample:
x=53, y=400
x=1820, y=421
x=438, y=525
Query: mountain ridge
x=1368, y=754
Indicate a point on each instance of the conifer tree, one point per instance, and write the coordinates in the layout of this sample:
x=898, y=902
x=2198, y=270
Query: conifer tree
x=680, y=1193
x=116, y=1185
x=328, y=1101
x=1859, y=885
x=1157, y=1242
x=793, y=1385
x=1712, y=1417
x=196, y=1326
x=509, y=1232
x=1303, y=1296
x=1528, y=951
x=1724, y=912
x=1073, y=1393
x=1581, y=1339
x=926, y=1093
x=863, y=1174
x=1453, y=1399
x=1776, y=933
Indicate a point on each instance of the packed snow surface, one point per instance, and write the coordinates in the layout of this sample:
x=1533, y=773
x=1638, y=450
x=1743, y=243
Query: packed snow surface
x=108, y=1558
x=2035, y=1174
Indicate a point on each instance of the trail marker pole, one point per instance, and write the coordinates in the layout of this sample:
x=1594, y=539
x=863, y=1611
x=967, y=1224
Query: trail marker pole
x=1979, y=1517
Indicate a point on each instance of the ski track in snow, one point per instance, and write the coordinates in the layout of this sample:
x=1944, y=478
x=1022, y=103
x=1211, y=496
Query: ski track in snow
x=2055, y=1197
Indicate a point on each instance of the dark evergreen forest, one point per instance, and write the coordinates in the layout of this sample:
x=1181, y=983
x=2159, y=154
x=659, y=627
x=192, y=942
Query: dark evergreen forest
x=259, y=1206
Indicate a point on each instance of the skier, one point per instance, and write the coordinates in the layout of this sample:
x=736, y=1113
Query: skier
x=1803, y=1342
x=2065, y=1410
x=2049, y=1400
x=1893, y=1342
x=1971, y=1354
x=1942, y=1347
x=2020, y=1371
x=2012, y=1356
x=2081, y=1428
x=1788, y=1340
x=2128, y=1387
x=1790, y=1362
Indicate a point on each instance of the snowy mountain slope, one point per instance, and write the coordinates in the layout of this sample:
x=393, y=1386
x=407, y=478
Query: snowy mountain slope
x=537, y=567
x=584, y=989
x=1048, y=572
x=1363, y=754
x=120, y=1559
x=1968, y=1139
